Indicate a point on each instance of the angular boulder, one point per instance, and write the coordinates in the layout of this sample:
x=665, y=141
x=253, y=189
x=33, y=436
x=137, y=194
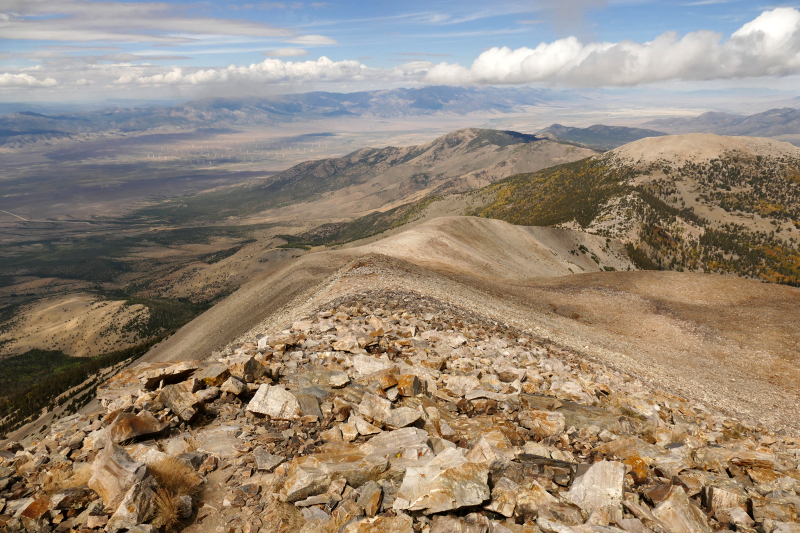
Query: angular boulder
x=275, y=402
x=114, y=473
x=679, y=516
x=375, y=409
x=128, y=426
x=137, y=506
x=447, y=482
x=244, y=367
x=600, y=487
x=214, y=375
x=180, y=401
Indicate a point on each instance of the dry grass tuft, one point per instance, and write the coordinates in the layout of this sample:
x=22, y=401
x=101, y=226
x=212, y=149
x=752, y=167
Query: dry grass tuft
x=63, y=477
x=167, y=506
x=176, y=477
x=281, y=517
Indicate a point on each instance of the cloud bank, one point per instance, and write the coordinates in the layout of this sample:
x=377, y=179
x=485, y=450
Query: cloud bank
x=25, y=80
x=274, y=71
x=767, y=46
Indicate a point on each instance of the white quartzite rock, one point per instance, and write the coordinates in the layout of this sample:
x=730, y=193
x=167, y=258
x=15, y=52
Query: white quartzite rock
x=543, y=423
x=137, y=506
x=460, y=385
x=679, y=515
x=365, y=364
x=447, y=482
x=599, y=488
x=275, y=402
x=375, y=409
x=382, y=524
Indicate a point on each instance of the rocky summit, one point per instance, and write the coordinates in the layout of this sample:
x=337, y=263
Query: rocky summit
x=391, y=412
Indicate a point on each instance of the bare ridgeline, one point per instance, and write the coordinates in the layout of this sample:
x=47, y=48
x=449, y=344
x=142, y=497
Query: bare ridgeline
x=389, y=412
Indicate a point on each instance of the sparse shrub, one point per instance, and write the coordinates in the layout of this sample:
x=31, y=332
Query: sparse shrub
x=176, y=477
x=167, y=510
x=62, y=477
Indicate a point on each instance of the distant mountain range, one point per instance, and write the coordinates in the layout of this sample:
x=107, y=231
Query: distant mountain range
x=771, y=123
x=599, y=137
x=224, y=113
x=273, y=110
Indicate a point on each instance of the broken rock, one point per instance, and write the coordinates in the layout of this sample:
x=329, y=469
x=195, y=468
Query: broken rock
x=543, y=423
x=375, y=409
x=600, y=487
x=275, y=402
x=128, y=426
x=447, y=482
x=180, y=401
x=114, y=473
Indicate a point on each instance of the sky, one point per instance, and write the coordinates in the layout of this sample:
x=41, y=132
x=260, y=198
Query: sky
x=82, y=50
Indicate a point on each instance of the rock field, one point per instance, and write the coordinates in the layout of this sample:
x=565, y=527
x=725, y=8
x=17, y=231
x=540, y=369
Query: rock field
x=391, y=412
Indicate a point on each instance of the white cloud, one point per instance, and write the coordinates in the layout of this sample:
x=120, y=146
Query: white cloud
x=285, y=52
x=311, y=40
x=25, y=80
x=153, y=22
x=766, y=46
x=272, y=71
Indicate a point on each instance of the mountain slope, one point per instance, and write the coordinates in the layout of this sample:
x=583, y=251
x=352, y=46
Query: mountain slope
x=465, y=246
x=599, y=137
x=696, y=202
x=379, y=178
x=684, y=331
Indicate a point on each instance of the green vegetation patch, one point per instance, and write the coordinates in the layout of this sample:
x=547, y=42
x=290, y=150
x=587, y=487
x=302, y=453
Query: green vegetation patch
x=20, y=371
x=574, y=191
x=24, y=402
x=89, y=259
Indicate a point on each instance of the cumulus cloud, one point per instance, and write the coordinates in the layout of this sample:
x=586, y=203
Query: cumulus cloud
x=25, y=80
x=769, y=45
x=766, y=46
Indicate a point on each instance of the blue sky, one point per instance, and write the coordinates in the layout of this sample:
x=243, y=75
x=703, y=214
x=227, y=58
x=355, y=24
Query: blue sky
x=87, y=49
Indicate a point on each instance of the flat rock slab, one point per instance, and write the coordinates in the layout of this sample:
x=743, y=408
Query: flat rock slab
x=214, y=375
x=382, y=524
x=218, y=441
x=266, y=461
x=175, y=373
x=275, y=402
x=447, y=482
x=543, y=423
x=600, y=487
x=113, y=473
x=312, y=475
x=128, y=426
